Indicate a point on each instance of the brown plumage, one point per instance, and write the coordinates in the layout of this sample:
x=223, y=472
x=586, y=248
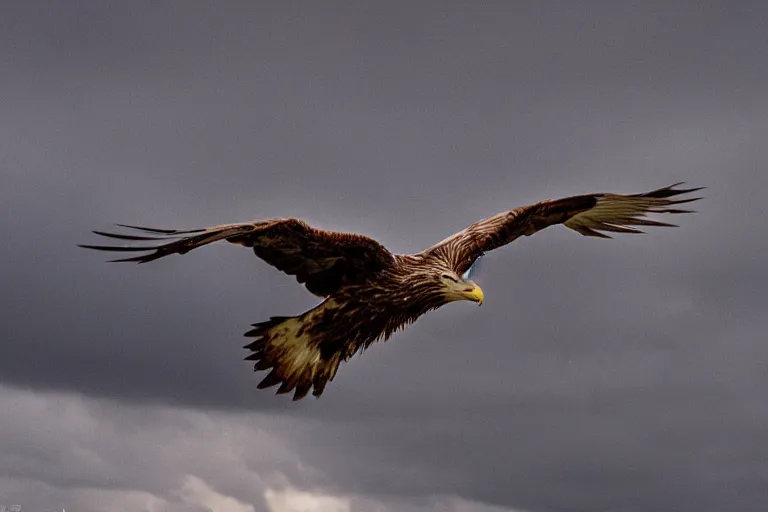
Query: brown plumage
x=369, y=292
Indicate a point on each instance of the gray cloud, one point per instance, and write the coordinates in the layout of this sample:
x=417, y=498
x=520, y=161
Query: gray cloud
x=69, y=451
x=603, y=375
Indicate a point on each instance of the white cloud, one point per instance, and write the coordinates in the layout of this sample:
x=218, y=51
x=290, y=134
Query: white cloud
x=293, y=500
x=457, y=504
x=197, y=491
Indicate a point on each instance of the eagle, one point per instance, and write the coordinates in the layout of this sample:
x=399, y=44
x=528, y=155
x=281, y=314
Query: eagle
x=368, y=292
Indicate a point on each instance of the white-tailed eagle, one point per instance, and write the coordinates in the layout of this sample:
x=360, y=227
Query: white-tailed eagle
x=369, y=292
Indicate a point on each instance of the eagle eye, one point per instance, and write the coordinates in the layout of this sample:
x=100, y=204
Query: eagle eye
x=449, y=276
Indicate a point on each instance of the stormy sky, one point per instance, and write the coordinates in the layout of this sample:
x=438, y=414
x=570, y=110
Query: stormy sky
x=619, y=375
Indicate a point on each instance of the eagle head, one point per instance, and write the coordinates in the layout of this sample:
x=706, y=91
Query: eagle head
x=458, y=288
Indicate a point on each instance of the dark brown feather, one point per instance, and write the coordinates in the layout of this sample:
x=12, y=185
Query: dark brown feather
x=321, y=260
x=589, y=215
x=272, y=379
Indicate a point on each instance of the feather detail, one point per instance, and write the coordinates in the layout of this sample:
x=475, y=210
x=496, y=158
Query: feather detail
x=618, y=213
x=591, y=215
x=292, y=347
x=321, y=260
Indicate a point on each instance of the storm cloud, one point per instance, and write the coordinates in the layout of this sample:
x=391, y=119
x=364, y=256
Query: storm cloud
x=608, y=375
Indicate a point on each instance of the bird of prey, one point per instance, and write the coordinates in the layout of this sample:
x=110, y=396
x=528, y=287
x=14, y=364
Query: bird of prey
x=369, y=293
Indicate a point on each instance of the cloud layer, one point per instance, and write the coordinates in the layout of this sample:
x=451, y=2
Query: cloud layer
x=67, y=451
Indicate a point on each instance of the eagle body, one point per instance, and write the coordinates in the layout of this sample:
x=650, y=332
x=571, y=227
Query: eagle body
x=305, y=351
x=369, y=293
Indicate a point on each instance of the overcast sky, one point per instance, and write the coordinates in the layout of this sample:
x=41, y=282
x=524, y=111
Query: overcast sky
x=622, y=375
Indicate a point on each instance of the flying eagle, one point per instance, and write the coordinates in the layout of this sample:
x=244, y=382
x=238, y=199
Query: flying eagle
x=369, y=292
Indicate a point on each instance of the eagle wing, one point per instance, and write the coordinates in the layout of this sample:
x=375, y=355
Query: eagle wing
x=322, y=260
x=590, y=215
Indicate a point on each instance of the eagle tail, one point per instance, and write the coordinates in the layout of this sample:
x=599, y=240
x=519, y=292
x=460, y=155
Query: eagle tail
x=288, y=347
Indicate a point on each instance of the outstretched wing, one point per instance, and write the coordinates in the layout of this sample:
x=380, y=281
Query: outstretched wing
x=322, y=260
x=590, y=215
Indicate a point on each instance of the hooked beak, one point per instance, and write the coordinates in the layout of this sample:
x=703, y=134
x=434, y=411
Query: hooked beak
x=475, y=294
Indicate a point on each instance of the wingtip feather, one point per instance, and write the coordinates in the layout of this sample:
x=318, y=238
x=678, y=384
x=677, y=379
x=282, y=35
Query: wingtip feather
x=149, y=230
x=120, y=236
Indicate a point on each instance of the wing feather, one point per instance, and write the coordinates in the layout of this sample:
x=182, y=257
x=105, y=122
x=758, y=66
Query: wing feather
x=624, y=211
x=321, y=260
x=590, y=215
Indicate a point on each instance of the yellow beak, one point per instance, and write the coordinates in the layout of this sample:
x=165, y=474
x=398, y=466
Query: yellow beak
x=476, y=294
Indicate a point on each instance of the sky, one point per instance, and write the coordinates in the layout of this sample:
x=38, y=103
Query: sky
x=620, y=375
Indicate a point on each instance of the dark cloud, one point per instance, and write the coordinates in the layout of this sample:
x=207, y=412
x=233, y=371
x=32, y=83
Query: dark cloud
x=604, y=375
